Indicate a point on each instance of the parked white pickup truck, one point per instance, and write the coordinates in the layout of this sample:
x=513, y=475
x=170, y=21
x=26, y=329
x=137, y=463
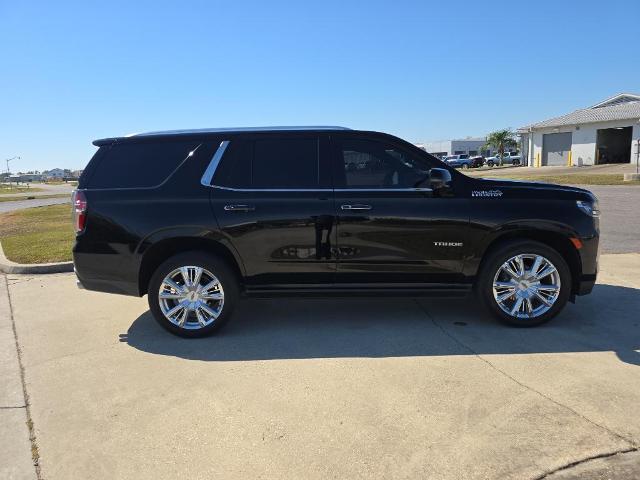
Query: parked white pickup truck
x=508, y=159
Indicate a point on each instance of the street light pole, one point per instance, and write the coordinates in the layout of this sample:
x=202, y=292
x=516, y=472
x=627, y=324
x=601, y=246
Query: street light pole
x=8, y=160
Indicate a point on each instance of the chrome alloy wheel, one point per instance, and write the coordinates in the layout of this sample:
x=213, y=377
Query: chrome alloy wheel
x=526, y=286
x=191, y=297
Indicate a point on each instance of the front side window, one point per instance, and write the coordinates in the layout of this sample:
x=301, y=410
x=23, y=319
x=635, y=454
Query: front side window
x=376, y=164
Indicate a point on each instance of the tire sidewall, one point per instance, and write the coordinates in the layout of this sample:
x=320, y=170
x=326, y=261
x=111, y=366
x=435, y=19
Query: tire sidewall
x=210, y=262
x=485, y=283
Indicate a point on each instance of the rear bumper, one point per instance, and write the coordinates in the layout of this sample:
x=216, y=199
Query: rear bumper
x=100, y=274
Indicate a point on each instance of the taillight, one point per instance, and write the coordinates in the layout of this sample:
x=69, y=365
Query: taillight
x=79, y=210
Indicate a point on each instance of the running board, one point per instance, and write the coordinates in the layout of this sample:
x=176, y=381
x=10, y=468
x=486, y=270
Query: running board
x=359, y=290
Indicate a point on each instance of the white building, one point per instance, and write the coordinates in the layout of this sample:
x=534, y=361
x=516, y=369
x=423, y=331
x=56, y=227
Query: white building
x=471, y=146
x=607, y=132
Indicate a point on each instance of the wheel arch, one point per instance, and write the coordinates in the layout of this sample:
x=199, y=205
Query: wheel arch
x=552, y=239
x=163, y=249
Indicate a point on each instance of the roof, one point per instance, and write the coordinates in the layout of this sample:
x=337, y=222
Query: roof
x=467, y=139
x=470, y=139
x=624, y=106
x=234, y=130
x=204, y=131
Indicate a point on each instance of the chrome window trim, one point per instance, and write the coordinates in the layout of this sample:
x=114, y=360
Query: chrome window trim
x=426, y=190
x=210, y=171
x=272, y=189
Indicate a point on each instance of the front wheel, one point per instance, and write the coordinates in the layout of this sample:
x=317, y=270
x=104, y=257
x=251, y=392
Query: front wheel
x=525, y=284
x=193, y=294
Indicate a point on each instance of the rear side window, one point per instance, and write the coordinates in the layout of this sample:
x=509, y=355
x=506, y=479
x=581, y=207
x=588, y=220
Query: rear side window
x=287, y=163
x=235, y=168
x=136, y=165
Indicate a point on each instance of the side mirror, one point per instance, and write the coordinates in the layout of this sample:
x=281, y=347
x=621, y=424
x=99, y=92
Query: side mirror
x=439, y=178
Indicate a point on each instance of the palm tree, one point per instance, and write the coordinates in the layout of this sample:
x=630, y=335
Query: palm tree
x=500, y=140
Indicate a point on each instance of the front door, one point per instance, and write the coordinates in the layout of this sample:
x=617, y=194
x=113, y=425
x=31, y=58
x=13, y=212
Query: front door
x=273, y=200
x=393, y=228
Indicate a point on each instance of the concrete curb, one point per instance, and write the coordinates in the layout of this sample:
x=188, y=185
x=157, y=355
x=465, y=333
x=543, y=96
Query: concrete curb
x=7, y=266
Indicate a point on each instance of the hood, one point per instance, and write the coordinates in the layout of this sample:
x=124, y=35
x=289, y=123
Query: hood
x=527, y=189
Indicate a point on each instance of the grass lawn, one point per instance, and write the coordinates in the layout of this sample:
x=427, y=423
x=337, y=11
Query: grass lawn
x=31, y=197
x=13, y=190
x=570, y=179
x=37, y=235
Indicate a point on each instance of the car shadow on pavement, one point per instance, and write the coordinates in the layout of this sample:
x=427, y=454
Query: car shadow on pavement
x=266, y=329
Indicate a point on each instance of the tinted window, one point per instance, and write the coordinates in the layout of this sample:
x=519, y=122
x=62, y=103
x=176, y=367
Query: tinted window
x=374, y=164
x=235, y=168
x=139, y=164
x=285, y=163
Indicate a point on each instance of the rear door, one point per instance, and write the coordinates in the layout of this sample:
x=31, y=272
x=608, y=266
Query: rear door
x=392, y=228
x=272, y=197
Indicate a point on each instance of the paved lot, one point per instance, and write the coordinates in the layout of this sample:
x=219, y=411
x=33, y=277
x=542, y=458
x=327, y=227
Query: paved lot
x=619, y=168
x=351, y=388
x=620, y=220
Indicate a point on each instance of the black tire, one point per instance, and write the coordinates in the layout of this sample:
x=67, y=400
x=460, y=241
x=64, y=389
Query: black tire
x=500, y=255
x=215, y=265
x=490, y=164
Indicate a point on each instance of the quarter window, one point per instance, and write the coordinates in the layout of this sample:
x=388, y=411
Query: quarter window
x=375, y=164
x=139, y=165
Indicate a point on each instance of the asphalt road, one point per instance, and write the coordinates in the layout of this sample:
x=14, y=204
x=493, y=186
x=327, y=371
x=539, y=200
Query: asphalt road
x=21, y=204
x=46, y=189
x=620, y=219
x=326, y=388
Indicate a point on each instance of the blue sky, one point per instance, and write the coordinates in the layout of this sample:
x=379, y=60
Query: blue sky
x=71, y=72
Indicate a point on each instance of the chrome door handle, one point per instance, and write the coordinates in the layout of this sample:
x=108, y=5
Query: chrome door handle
x=357, y=206
x=239, y=208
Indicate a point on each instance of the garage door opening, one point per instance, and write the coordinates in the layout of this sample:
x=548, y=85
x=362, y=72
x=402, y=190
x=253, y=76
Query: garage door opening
x=556, y=148
x=613, y=145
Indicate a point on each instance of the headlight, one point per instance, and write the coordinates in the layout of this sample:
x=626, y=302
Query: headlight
x=590, y=208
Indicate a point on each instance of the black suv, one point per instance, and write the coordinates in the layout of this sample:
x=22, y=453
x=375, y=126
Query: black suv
x=198, y=218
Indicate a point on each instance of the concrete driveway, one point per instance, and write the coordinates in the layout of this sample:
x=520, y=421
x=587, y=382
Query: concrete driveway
x=325, y=388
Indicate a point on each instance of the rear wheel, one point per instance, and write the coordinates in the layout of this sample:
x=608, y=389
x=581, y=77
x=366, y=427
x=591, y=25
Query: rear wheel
x=193, y=294
x=525, y=284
